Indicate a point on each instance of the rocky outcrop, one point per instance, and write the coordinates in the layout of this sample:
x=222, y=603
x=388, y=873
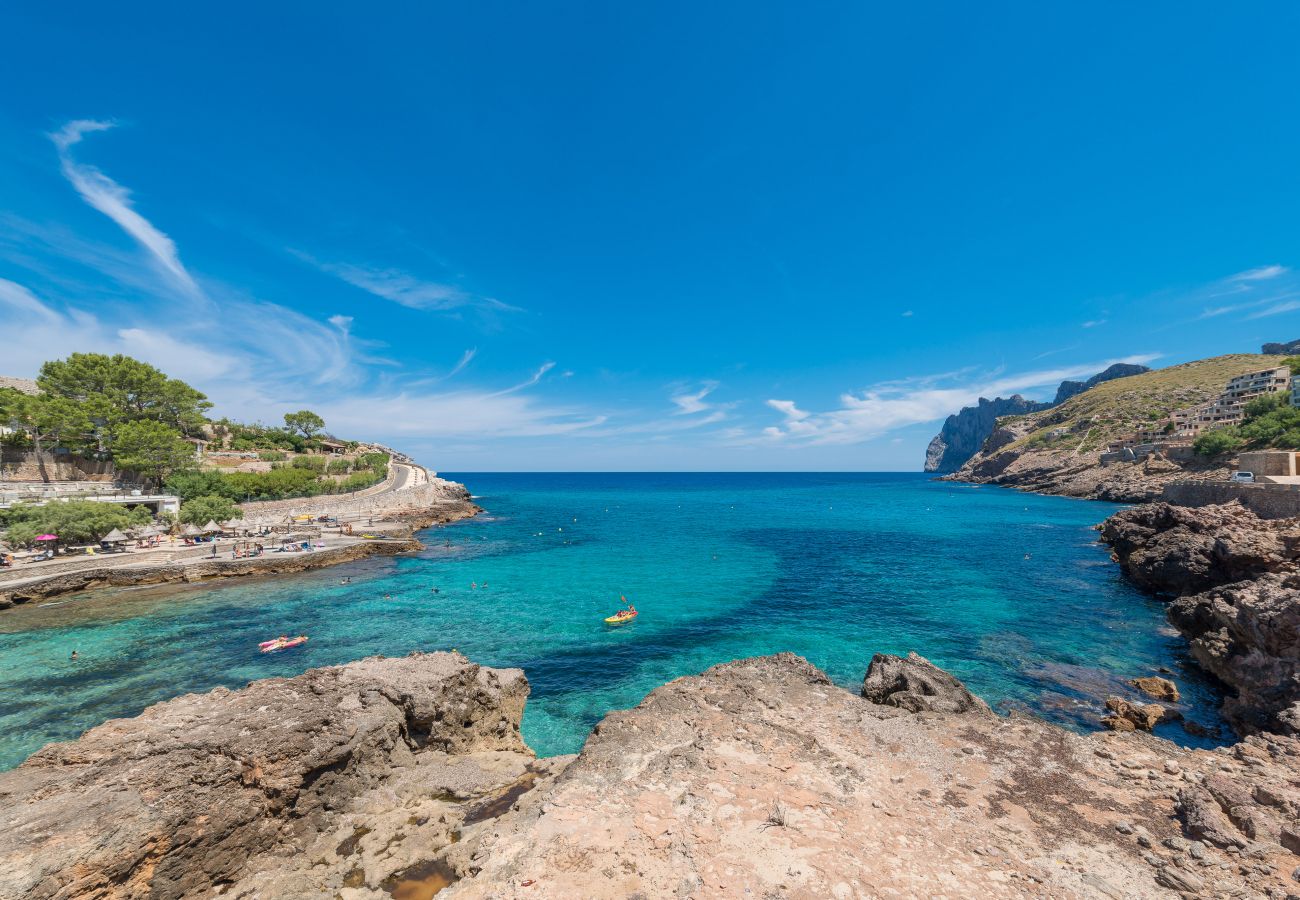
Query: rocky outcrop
x=969, y=431
x=964, y=433
x=242, y=789
x=917, y=685
x=758, y=778
x=1068, y=389
x=1235, y=580
x=1291, y=348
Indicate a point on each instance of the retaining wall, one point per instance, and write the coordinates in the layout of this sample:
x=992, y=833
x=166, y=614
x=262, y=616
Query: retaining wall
x=1268, y=501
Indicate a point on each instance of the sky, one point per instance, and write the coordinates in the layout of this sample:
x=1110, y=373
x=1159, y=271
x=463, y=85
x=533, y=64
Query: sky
x=658, y=236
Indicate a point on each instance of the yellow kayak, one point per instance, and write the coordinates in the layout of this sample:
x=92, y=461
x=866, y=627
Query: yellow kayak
x=620, y=618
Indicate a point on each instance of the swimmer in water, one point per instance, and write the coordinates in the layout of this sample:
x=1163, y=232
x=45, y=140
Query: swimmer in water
x=74, y=655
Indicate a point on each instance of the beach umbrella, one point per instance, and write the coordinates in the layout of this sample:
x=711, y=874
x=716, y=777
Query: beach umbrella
x=211, y=527
x=47, y=537
x=113, y=537
x=191, y=531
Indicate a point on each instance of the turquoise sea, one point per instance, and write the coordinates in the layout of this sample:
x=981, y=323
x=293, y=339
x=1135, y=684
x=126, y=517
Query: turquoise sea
x=1009, y=591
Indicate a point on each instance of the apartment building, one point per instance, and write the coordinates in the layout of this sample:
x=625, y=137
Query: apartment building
x=1229, y=406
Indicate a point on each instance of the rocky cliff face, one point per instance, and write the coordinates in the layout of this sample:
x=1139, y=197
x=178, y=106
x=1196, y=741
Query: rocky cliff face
x=759, y=778
x=1069, y=389
x=964, y=433
x=1235, y=579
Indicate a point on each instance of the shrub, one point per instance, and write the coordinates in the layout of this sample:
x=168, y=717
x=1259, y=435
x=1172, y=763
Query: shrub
x=75, y=522
x=272, y=456
x=204, y=509
x=1217, y=441
x=311, y=463
x=338, y=467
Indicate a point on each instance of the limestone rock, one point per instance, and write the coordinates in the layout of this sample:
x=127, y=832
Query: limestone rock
x=183, y=796
x=1237, y=578
x=1155, y=686
x=917, y=685
x=1126, y=716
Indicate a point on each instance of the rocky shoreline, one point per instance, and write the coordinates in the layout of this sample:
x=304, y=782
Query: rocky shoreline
x=1232, y=581
x=1072, y=474
x=758, y=778
x=203, y=569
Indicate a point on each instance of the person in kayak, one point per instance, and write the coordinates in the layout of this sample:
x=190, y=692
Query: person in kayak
x=630, y=611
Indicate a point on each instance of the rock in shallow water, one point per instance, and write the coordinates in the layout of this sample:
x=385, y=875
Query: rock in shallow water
x=916, y=684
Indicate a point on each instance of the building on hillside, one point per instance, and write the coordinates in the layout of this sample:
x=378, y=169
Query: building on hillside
x=1295, y=390
x=1229, y=407
x=330, y=445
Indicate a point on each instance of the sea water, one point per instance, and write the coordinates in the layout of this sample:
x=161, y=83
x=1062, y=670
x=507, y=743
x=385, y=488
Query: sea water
x=1009, y=591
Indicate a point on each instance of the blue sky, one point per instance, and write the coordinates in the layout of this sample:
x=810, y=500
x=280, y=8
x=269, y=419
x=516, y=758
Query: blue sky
x=665, y=236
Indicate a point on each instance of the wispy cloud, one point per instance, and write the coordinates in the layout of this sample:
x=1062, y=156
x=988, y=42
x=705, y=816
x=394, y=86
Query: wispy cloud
x=1279, y=305
x=524, y=385
x=1265, y=286
x=406, y=289
x=883, y=408
x=689, y=402
x=465, y=359
x=114, y=201
x=1095, y=323
x=1263, y=273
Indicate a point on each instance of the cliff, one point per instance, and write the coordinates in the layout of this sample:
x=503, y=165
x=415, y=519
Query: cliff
x=1068, y=389
x=964, y=433
x=1058, y=450
x=757, y=778
x=1233, y=581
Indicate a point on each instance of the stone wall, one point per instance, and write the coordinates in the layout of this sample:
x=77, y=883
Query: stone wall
x=374, y=502
x=1273, y=501
x=22, y=465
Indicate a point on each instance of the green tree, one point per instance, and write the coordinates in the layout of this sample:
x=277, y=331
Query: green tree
x=191, y=483
x=117, y=389
x=201, y=510
x=1294, y=363
x=1217, y=441
x=305, y=422
x=75, y=522
x=150, y=449
x=45, y=420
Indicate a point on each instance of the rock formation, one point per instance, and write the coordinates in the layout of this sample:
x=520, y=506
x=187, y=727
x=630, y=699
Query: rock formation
x=1068, y=389
x=965, y=433
x=1291, y=348
x=917, y=685
x=758, y=778
x=1235, y=579
x=248, y=788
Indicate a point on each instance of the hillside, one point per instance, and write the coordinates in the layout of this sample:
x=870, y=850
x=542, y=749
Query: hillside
x=1058, y=450
x=966, y=431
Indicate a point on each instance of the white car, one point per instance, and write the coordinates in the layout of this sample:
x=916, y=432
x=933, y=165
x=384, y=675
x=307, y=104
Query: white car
x=1243, y=477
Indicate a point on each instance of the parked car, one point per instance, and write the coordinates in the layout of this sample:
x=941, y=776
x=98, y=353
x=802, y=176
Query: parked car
x=1243, y=477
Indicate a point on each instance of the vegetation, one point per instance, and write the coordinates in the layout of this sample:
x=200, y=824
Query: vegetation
x=304, y=477
x=304, y=422
x=75, y=522
x=1269, y=421
x=1115, y=409
x=150, y=449
x=202, y=510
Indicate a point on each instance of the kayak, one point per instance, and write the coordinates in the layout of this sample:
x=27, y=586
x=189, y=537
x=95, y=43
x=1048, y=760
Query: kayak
x=283, y=643
x=620, y=618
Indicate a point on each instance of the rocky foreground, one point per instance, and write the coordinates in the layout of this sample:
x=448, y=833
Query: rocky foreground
x=757, y=779
x=1233, y=581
